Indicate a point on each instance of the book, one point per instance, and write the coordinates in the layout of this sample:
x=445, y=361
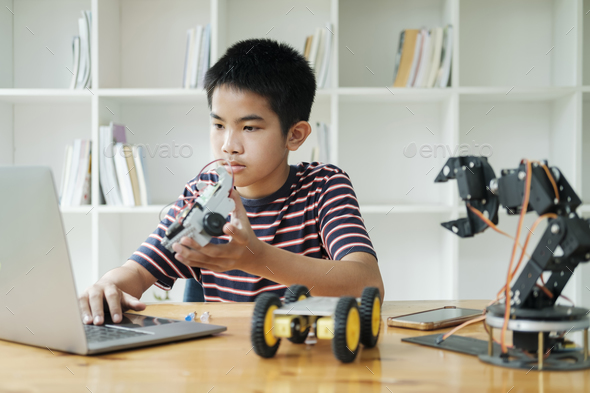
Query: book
x=307, y=46
x=435, y=59
x=313, y=51
x=123, y=175
x=86, y=185
x=76, y=61
x=416, y=60
x=132, y=171
x=103, y=148
x=194, y=69
x=81, y=173
x=319, y=60
x=138, y=160
x=146, y=178
x=425, y=62
x=118, y=132
x=399, y=53
x=444, y=71
x=205, y=53
x=108, y=176
x=72, y=173
x=65, y=171
x=407, y=58
x=327, y=56
x=190, y=36
x=84, y=71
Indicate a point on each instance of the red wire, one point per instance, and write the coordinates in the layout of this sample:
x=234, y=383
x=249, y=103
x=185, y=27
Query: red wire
x=196, y=194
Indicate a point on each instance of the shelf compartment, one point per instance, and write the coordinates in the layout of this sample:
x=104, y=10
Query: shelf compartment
x=369, y=36
x=507, y=132
x=288, y=22
x=142, y=44
x=413, y=249
x=498, y=49
x=37, y=133
x=119, y=236
x=379, y=140
x=175, y=139
x=36, y=42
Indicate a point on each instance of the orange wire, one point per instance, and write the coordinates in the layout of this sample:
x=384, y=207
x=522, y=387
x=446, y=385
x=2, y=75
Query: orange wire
x=511, y=271
x=461, y=326
x=551, y=179
x=523, y=253
x=491, y=224
x=526, y=242
x=525, y=205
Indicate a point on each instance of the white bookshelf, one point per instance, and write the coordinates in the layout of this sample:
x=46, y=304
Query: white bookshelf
x=520, y=82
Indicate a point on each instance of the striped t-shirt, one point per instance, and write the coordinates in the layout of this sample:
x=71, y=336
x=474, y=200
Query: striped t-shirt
x=315, y=213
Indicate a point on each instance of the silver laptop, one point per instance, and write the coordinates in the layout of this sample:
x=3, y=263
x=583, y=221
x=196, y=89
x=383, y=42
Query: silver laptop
x=38, y=300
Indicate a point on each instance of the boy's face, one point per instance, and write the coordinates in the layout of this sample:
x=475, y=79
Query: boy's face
x=245, y=131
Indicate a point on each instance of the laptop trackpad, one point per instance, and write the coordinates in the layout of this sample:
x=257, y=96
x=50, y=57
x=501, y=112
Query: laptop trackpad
x=134, y=321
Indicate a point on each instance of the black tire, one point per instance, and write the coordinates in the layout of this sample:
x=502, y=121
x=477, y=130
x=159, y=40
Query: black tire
x=369, y=309
x=292, y=295
x=264, y=345
x=346, y=307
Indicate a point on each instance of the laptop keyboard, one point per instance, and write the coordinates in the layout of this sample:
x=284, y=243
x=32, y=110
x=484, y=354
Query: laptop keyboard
x=100, y=333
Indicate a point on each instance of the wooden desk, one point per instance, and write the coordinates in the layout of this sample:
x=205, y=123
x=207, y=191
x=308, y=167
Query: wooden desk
x=226, y=363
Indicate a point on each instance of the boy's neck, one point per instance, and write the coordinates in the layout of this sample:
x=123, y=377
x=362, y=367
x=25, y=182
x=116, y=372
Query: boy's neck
x=267, y=186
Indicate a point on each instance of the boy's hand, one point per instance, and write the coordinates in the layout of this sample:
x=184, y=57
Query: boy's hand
x=92, y=303
x=240, y=252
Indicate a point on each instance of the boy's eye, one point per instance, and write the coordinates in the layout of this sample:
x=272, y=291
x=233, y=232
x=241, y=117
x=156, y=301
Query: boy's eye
x=216, y=126
x=250, y=128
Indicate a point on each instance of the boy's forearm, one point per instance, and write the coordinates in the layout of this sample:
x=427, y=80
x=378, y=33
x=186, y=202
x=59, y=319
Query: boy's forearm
x=324, y=277
x=127, y=278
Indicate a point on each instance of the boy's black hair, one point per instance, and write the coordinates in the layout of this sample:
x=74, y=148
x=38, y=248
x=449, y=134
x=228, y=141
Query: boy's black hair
x=273, y=70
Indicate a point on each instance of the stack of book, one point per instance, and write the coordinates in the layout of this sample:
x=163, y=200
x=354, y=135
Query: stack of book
x=321, y=152
x=196, y=60
x=318, y=48
x=123, y=178
x=424, y=58
x=76, y=173
x=81, y=76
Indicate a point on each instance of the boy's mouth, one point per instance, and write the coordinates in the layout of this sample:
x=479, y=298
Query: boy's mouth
x=235, y=167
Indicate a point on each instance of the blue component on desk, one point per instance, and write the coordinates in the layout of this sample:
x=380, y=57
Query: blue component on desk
x=190, y=317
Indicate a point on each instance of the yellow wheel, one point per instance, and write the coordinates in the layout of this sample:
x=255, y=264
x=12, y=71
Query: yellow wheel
x=347, y=330
x=370, y=316
x=300, y=325
x=264, y=342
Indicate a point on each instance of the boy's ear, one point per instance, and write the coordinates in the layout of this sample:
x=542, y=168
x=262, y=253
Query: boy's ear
x=298, y=134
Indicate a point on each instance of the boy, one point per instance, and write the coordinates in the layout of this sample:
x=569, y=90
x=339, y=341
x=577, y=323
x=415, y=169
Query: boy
x=292, y=224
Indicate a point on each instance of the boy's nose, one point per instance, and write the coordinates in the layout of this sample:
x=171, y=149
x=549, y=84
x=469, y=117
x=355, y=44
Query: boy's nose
x=232, y=144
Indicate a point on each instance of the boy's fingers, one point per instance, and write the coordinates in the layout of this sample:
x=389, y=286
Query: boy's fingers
x=237, y=234
x=132, y=303
x=85, y=309
x=113, y=298
x=95, y=298
x=239, y=209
